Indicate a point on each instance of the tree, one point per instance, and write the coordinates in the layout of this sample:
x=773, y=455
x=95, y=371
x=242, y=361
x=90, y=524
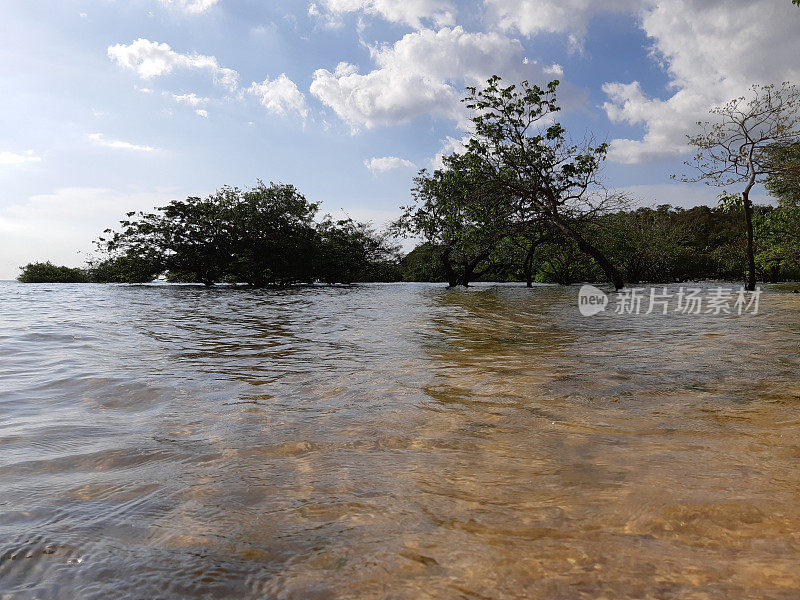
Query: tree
x=274, y=236
x=648, y=244
x=423, y=263
x=350, y=251
x=122, y=269
x=47, y=272
x=456, y=211
x=562, y=262
x=264, y=236
x=527, y=242
x=783, y=172
x=192, y=238
x=528, y=158
x=731, y=147
x=778, y=250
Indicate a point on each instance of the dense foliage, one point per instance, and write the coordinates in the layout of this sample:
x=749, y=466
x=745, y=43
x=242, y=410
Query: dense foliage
x=47, y=272
x=663, y=244
x=783, y=172
x=265, y=236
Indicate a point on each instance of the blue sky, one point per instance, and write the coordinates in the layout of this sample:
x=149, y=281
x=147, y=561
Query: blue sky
x=115, y=105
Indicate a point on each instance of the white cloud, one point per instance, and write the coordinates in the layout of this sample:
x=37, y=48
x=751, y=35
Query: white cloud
x=202, y=113
x=530, y=17
x=190, y=99
x=280, y=96
x=190, y=6
x=14, y=158
x=153, y=59
x=387, y=163
x=409, y=12
x=58, y=225
x=713, y=50
x=100, y=140
x=419, y=74
x=450, y=145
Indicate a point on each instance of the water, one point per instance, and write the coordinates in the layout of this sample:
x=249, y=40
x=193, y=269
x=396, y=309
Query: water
x=393, y=441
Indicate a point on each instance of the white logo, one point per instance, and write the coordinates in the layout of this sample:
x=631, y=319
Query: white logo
x=591, y=300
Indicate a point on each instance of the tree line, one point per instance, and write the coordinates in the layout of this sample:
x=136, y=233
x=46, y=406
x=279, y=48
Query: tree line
x=524, y=193
x=662, y=244
x=264, y=236
x=522, y=201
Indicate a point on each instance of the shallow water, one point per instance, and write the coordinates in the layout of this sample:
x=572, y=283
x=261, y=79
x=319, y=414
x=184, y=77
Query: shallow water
x=393, y=441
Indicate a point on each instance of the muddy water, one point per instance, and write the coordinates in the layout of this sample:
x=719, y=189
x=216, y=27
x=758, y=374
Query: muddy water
x=393, y=441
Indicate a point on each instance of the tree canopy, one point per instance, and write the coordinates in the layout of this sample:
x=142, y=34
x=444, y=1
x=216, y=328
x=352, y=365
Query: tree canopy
x=264, y=236
x=47, y=272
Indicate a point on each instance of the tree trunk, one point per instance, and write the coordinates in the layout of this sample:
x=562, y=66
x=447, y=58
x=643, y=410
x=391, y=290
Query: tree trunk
x=467, y=275
x=751, y=256
x=610, y=270
x=452, y=280
x=528, y=265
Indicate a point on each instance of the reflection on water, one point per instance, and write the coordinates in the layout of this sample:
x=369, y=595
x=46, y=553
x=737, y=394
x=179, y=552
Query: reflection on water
x=393, y=441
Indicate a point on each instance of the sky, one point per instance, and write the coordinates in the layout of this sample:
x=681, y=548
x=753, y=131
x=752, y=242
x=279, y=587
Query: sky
x=110, y=106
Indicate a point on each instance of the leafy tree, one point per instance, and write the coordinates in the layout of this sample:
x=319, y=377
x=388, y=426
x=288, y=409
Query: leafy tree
x=264, y=236
x=456, y=212
x=731, y=147
x=47, y=272
x=423, y=263
x=274, y=237
x=562, y=262
x=192, y=238
x=528, y=158
x=350, y=251
x=778, y=250
x=783, y=172
x=122, y=269
x=648, y=244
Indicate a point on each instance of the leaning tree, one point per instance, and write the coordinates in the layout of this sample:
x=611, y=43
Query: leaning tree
x=528, y=156
x=732, y=147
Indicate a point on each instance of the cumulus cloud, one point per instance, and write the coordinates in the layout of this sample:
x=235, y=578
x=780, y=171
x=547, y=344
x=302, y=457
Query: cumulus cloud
x=419, y=74
x=387, y=163
x=152, y=59
x=100, y=140
x=202, y=113
x=572, y=17
x=408, y=12
x=450, y=145
x=713, y=50
x=280, y=96
x=14, y=158
x=190, y=6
